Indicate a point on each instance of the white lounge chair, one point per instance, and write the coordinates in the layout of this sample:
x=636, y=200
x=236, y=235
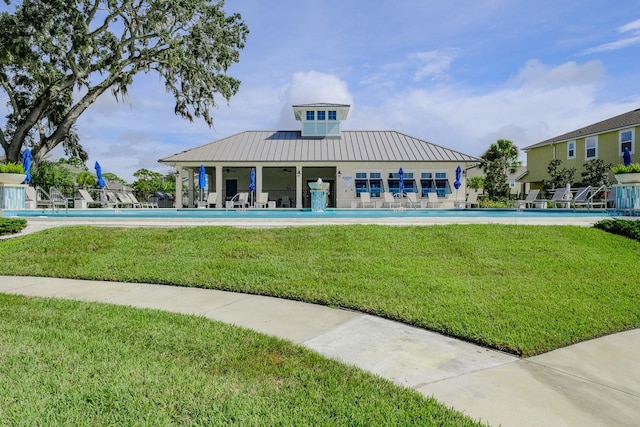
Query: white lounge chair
x=560, y=196
x=528, y=201
x=285, y=202
x=262, y=200
x=240, y=200
x=432, y=199
x=212, y=199
x=472, y=199
x=365, y=199
x=391, y=201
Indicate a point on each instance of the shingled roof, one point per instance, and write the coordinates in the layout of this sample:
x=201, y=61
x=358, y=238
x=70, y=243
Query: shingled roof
x=290, y=146
x=632, y=118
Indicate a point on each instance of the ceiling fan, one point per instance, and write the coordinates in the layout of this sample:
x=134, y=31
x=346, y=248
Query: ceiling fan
x=287, y=170
x=227, y=170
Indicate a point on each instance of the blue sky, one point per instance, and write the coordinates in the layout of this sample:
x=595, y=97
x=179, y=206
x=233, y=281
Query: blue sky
x=461, y=74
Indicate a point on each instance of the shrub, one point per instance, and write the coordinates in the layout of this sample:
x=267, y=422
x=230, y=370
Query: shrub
x=621, y=227
x=12, y=225
x=11, y=168
x=632, y=168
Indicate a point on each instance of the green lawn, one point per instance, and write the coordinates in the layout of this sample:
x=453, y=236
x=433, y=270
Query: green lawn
x=523, y=289
x=69, y=363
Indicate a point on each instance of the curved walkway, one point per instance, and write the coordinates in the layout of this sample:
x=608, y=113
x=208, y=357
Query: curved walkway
x=595, y=383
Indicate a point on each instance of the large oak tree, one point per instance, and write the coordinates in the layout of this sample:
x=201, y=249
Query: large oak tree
x=58, y=56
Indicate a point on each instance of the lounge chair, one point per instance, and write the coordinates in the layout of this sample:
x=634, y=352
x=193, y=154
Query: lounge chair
x=391, y=201
x=413, y=200
x=472, y=199
x=560, y=196
x=31, y=198
x=111, y=199
x=588, y=200
x=212, y=200
x=123, y=200
x=136, y=203
x=285, y=202
x=86, y=196
x=53, y=199
x=262, y=201
x=528, y=201
x=365, y=199
x=432, y=199
x=239, y=200
x=610, y=200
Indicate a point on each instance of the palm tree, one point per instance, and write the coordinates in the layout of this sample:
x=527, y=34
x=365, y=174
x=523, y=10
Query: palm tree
x=498, y=161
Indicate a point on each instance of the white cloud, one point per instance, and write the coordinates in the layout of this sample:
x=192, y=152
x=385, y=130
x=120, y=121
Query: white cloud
x=311, y=87
x=433, y=64
x=540, y=102
x=632, y=39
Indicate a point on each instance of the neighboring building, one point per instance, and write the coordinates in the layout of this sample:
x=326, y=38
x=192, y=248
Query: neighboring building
x=350, y=161
x=604, y=140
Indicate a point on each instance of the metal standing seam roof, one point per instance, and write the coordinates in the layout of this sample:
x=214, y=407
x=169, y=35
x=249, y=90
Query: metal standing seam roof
x=290, y=146
x=632, y=118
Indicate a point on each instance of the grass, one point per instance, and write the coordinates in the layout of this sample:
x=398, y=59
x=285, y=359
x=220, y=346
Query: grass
x=80, y=364
x=521, y=289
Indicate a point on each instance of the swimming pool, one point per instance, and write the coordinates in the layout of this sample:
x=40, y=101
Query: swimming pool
x=302, y=213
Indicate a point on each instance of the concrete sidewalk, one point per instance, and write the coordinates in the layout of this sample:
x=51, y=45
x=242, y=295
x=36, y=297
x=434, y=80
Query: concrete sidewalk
x=595, y=383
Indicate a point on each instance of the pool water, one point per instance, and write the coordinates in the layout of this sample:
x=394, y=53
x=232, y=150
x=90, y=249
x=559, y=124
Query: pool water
x=301, y=213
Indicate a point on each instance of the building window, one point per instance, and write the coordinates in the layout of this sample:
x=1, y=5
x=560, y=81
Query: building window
x=442, y=184
x=571, y=150
x=427, y=183
x=375, y=184
x=321, y=115
x=332, y=115
x=626, y=141
x=311, y=115
x=362, y=184
x=409, y=183
x=591, y=147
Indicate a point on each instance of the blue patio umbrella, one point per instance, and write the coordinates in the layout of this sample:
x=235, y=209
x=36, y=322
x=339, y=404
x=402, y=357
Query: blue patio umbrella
x=99, y=175
x=26, y=165
x=202, y=181
x=401, y=180
x=457, y=182
x=252, y=181
x=626, y=157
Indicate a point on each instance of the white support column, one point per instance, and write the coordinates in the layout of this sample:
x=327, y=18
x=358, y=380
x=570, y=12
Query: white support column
x=258, y=180
x=191, y=198
x=299, y=187
x=178, y=198
x=219, y=186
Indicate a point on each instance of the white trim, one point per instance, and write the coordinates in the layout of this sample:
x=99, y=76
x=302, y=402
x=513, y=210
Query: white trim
x=633, y=141
x=586, y=140
x=573, y=141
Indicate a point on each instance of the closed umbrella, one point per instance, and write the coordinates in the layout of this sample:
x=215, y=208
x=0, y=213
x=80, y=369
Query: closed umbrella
x=26, y=165
x=401, y=180
x=202, y=181
x=626, y=157
x=99, y=175
x=252, y=182
x=457, y=182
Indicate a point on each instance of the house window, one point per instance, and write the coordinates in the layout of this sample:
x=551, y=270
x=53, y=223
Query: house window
x=626, y=141
x=311, y=115
x=321, y=115
x=332, y=115
x=571, y=150
x=591, y=147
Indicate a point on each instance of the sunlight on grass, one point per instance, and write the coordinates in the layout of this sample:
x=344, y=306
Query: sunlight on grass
x=522, y=289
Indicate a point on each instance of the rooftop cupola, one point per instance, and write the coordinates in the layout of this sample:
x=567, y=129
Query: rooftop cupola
x=321, y=119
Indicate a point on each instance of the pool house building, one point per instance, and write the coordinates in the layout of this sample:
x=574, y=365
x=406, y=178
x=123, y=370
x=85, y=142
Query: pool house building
x=351, y=162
